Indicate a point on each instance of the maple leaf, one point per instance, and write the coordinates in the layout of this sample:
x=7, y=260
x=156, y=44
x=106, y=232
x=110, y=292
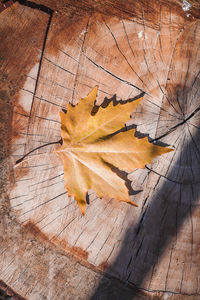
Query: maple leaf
x=90, y=151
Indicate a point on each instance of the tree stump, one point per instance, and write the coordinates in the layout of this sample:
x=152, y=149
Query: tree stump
x=53, y=54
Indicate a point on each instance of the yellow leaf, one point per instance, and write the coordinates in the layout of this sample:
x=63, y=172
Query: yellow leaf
x=92, y=154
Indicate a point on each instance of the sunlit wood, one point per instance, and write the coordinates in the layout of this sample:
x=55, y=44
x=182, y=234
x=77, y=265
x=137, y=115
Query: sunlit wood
x=55, y=55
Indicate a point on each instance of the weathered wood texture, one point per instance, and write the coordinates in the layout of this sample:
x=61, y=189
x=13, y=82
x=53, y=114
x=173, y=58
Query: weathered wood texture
x=51, y=58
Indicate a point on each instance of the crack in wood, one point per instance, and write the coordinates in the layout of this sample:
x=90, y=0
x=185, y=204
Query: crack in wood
x=117, y=45
x=179, y=124
x=165, y=291
x=34, y=5
x=50, y=12
x=57, y=66
x=47, y=179
x=47, y=201
x=79, y=60
x=151, y=170
x=115, y=76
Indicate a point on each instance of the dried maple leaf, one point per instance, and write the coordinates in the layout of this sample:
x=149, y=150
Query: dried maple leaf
x=90, y=152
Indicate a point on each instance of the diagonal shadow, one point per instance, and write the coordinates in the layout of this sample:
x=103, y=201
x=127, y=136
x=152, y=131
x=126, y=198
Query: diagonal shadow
x=160, y=223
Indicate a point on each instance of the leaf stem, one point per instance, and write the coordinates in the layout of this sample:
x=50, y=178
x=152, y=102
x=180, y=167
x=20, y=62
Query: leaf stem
x=51, y=143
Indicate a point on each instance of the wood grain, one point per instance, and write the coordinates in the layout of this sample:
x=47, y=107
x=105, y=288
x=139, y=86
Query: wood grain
x=60, y=58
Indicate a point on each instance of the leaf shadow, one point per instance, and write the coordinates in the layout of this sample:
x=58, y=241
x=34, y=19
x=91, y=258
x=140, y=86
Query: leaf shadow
x=138, y=134
x=123, y=175
x=87, y=198
x=126, y=127
x=113, y=99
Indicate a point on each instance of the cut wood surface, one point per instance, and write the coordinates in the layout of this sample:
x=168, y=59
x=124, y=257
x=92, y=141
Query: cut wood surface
x=51, y=56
